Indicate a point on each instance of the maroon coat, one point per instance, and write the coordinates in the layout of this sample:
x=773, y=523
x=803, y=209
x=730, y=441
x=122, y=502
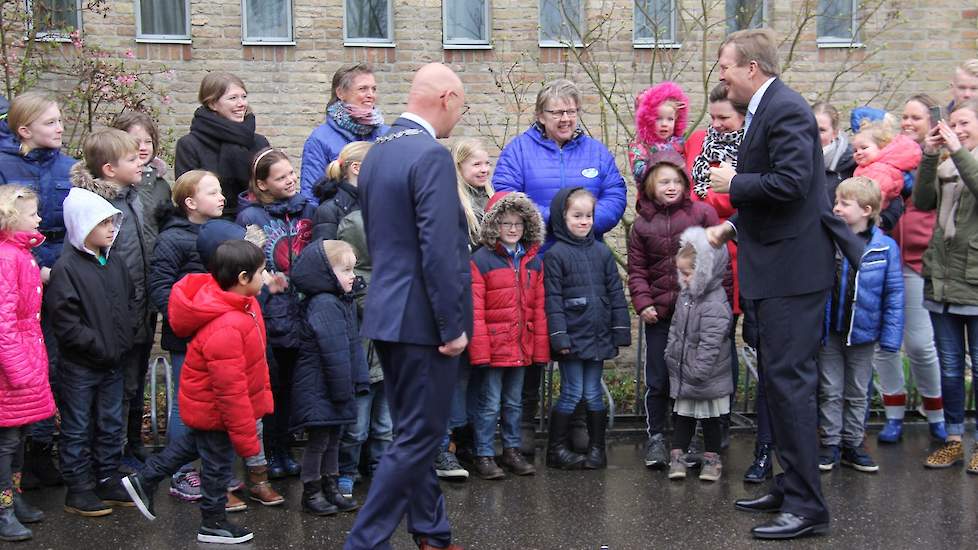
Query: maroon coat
x=652, y=247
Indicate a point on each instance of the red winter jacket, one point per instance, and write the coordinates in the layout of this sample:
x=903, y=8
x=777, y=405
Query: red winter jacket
x=899, y=156
x=25, y=394
x=224, y=382
x=652, y=247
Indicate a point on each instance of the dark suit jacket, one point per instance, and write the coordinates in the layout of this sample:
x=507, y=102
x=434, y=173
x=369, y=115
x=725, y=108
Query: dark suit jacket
x=420, y=291
x=785, y=227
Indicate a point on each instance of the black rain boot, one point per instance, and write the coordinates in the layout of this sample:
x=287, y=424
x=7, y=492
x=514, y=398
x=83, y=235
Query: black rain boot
x=464, y=438
x=760, y=470
x=332, y=493
x=24, y=511
x=314, y=502
x=40, y=456
x=528, y=429
x=724, y=431
x=11, y=530
x=558, y=454
x=578, y=429
x=597, y=425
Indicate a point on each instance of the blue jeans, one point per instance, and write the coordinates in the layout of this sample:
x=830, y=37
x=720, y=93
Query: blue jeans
x=465, y=400
x=580, y=378
x=949, y=335
x=215, y=452
x=89, y=395
x=374, y=425
x=175, y=428
x=504, y=383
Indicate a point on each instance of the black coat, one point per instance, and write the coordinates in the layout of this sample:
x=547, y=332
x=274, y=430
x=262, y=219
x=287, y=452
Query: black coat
x=175, y=255
x=223, y=147
x=332, y=368
x=336, y=200
x=90, y=308
x=586, y=308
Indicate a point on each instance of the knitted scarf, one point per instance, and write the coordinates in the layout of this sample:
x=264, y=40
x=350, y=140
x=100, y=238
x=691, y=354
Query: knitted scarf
x=360, y=121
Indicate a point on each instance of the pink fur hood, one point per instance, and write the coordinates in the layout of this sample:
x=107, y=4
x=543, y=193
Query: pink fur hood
x=647, y=110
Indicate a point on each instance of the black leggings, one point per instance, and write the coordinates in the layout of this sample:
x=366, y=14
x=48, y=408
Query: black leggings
x=685, y=428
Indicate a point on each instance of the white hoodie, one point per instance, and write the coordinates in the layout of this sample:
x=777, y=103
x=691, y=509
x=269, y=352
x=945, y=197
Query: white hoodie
x=83, y=211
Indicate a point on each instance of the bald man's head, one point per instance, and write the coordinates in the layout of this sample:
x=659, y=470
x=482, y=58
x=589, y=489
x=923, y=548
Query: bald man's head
x=437, y=96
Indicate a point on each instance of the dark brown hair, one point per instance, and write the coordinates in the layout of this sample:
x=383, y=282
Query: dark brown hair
x=260, y=167
x=126, y=120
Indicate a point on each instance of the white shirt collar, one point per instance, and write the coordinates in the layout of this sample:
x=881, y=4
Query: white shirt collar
x=420, y=121
x=755, y=100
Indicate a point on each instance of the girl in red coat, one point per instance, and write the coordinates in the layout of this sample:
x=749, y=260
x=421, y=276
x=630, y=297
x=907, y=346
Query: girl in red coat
x=25, y=394
x=224, y=385
x=884, y=157
x=510, y=328
x=664, y=211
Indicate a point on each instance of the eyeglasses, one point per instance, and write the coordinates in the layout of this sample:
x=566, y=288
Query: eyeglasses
x=561, y=113
x=512, y=225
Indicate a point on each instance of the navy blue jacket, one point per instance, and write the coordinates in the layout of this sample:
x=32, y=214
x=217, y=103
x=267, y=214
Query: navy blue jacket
x=332, y=367
x=287, y=225
x=46, y=171
x=420, y=292
x=586, y=308
x=785, y=227
x=877, y=306
x=174, y=256
x=336, y=200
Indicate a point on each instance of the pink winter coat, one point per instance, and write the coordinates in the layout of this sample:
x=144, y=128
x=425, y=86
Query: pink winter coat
x=901, y=155
x=25, y=394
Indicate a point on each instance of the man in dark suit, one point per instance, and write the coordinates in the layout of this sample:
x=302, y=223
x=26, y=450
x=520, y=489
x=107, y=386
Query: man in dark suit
x=418, y=308
x=785, y=233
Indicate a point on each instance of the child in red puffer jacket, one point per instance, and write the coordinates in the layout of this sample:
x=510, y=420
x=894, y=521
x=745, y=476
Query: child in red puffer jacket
x=224, y=385
x=25, y=394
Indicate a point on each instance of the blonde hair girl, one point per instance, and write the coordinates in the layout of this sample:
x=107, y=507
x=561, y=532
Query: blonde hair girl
x=472, y=168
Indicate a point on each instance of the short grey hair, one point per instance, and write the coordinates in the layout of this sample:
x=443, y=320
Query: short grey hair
x=343, y=78
x=558, y=89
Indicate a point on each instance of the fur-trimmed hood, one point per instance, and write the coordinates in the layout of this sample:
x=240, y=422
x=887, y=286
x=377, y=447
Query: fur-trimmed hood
x=647, y=110
x=711, y=263
x=520, y=204
x=82, y=178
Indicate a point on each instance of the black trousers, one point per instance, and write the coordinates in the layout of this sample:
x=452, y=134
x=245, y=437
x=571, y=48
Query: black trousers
x=215, y=452
x=789, y=330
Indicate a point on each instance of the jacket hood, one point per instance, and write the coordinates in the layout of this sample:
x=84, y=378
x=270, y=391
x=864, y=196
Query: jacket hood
x=326, y=189
x=292, y=205
x=647, y=207
x=197, y=299
x=539, y=135
x=83, y=210
x=901, y=153
x=644, y=159
x=312, y=273
x=859, y=114
x=82, y=178
x=517, y=203
x=213, y=233
x=557, y=225
x=711, y=263
x=647, y=110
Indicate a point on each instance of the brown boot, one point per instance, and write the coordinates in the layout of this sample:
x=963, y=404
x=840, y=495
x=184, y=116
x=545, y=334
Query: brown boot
x=260, y=489
x=235, y=504
x=514, y=461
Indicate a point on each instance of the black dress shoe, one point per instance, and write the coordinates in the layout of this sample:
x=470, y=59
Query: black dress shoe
x=789, y=526
x=766, y=503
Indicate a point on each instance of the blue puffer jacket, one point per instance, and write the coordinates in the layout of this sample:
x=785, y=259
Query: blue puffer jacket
x=322, y=147
x=585, y=299
x=535, y=165
x=174, y=256
x=46, y=171
x=877, y=307
x=332, y=367
x=287, y=225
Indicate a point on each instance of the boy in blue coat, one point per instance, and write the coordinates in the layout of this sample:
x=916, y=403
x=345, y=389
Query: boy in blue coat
x=865, y=308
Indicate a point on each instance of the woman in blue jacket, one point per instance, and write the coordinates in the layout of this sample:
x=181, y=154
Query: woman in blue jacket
x=351, y=115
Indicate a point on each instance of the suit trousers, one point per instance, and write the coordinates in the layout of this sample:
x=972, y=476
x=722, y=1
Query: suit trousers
x=417, y=380
x=789, y=329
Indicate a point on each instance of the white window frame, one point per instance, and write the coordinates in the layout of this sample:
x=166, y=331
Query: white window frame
x=142, y=38
x=371, y=42
x=252, y=41
x=577, y=43
x=466, y=43
x=671, y=42
x=840, y=42
x=764, y=8
x=49, y=36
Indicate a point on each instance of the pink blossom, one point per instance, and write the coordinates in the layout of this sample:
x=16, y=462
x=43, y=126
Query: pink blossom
x=130, y=54
x=167, y=100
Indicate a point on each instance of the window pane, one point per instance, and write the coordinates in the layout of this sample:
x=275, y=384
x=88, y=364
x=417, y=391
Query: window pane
x=835, y=19
x=367, y=19
x=53, y=15
x=268, y=19
x=653, y=20
x=560, y=20
x=744, y=14
x=466, y=20
x=163, y=18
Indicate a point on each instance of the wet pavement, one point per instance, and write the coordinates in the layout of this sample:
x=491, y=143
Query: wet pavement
x=625, y=507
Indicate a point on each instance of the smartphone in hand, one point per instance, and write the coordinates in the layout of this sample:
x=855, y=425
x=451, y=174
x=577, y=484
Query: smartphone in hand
x=935, y=115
